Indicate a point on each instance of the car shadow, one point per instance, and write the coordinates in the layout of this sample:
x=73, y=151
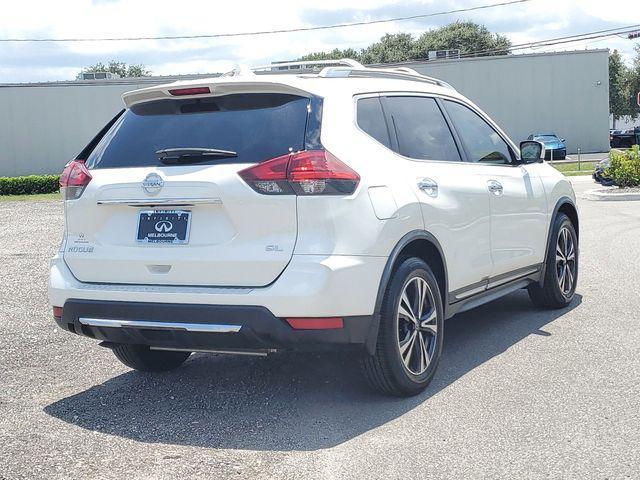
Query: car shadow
x=287, y=401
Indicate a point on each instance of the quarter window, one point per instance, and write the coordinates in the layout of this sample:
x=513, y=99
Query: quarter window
x=481, y=141
x=421, y=129
x=371, y=120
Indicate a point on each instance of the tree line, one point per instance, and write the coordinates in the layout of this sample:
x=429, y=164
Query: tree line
x=468, y=37
x=119, y=68
x=624, y=86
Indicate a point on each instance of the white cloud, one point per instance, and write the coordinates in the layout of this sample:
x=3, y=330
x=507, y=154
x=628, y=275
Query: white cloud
x=539, y=19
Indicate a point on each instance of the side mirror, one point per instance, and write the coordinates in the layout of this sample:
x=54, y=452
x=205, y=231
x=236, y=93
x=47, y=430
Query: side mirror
x=531, y=151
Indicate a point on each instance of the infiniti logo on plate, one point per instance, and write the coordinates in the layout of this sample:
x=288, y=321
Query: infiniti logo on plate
x=152, y=184
x=164, y=226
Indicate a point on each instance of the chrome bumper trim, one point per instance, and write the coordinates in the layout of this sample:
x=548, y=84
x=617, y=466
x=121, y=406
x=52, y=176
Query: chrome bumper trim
x=152, y=202
x=145, y=324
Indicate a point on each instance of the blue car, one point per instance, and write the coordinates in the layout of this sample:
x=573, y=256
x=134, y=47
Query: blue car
x=554, y=146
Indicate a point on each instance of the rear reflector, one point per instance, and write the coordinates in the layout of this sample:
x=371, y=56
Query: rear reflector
x=57, y=312
x=177, y=92
x=309, y=172
x=74, y=179
x=314, y=323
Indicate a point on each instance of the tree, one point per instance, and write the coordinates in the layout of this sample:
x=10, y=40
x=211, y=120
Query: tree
x=389, y=49
x=468, y=37
x=120, y=68
x=633, y=82
x=619, y=88
x=335, y=54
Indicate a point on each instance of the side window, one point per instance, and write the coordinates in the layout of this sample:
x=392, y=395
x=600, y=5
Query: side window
x=482, y=142
x=421, y=129
x=371, y=120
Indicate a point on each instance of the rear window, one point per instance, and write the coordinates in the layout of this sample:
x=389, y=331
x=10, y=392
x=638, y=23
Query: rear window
x=258, y=126
x=421, y=129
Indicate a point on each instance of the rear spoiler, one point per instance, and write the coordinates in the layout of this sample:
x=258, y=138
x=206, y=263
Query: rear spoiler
x=207, y=88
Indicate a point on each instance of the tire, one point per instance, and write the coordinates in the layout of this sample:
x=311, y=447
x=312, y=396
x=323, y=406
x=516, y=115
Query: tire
x=142, y=358
x=554, y=293
x=386, y=370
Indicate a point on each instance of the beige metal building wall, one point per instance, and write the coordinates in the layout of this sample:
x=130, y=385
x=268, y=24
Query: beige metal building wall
x=566, y=93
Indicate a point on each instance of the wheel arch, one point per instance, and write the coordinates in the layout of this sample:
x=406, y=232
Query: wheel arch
x=417, y=243
x=568, y=207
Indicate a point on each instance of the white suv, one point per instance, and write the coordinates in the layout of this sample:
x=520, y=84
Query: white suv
x=353, y=207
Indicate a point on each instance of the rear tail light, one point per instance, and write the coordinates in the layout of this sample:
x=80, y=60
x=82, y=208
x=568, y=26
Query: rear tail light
x=310, y=172
x=57, y=312
x=74, y=179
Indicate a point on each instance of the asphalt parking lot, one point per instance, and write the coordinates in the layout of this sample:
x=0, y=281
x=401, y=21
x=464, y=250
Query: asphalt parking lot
x=520, y=392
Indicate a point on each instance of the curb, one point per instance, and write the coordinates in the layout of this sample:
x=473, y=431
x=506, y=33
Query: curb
x=609, y=196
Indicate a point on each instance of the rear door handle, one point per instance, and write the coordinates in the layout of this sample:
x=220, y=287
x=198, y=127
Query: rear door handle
x=428, y=186
x=495, y=187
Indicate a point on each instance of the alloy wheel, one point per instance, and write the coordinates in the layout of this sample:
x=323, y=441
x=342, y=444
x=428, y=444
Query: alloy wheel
x=565, y=261
x=417, y=325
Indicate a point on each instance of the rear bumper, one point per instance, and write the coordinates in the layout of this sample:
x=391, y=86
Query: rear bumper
x=310, y=286
x=202, y=327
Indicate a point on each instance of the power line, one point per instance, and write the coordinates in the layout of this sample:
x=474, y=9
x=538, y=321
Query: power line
x=566, y=39
x=268, y=32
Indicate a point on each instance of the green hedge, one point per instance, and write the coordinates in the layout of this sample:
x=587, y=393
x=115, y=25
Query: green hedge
x=624, y=168
x=29, y=185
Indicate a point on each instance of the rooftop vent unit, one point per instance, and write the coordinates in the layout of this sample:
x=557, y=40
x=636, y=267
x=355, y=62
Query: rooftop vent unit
x=444, y=54
x=98, y=76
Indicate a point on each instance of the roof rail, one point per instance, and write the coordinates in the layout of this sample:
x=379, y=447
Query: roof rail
x=345, y=67
x=237, y=71
x=309, y=63
x=399, y=73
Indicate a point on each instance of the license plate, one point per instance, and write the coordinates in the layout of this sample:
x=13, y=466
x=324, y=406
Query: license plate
x=164, y=226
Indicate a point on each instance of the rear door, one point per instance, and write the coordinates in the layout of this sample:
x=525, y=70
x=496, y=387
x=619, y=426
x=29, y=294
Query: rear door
x=454, y=202
x=141, y=221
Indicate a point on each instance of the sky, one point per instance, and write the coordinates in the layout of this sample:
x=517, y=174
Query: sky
x=33, y=62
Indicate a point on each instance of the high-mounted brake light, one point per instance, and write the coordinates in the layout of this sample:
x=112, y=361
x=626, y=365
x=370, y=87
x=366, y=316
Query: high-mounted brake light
x=74, y=179
x=177, y=92
x=309, y=172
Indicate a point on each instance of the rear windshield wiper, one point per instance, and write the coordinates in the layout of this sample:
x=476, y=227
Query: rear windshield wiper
x=173, y=156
